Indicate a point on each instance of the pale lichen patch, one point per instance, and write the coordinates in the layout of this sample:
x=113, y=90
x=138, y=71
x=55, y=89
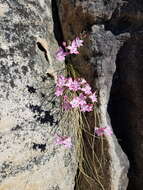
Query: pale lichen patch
x=6, y=124
x=39, y=178
x=3, y=9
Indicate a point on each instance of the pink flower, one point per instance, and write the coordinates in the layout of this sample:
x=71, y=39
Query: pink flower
x=60, y=54
x=86, y=89
x=93, y=97
x=82, y=96
x=103, y=130
x=69, y=82
x=75, y=102
x=82, y=81
x=82, y=99
x=61, y=81
x=66, y=104
x=86, y=107
x=78, y=42
x=99, y=131
x=64, y=44
x=108, y=130
x=78, y=101
x=59, y=91
x=73, y=84
x=73, y=48
x=63, y=140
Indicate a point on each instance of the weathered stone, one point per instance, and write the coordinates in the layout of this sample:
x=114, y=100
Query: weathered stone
x=126, y=106
x=105, y=68
x=30, y=114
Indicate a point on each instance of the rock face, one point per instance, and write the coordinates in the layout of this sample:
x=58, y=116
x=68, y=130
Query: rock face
x=30, y=113
x=125, y=105
x=105, y=67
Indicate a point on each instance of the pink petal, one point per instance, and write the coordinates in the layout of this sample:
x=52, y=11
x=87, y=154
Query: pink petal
x=61, y=81
x=69, y=82
x=59, y=91
x=75, y=102
x=74, y=85
x=86, y=89
x=93, y=97
x=79, y=42
x=103, y=131
x=99, y=131
x=60, y=54
x=108, y=130
x=82, y=81
x=63, y=140
x=64, y=44
x=67, y=142
x=86, y=107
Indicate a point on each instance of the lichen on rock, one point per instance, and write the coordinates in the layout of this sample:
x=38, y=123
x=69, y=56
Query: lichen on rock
x=30, y=113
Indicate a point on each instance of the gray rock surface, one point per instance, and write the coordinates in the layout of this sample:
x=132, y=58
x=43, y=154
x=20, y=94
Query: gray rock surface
x=105, y=67
x=126, y=106
x=30, y=114
x=126, y=95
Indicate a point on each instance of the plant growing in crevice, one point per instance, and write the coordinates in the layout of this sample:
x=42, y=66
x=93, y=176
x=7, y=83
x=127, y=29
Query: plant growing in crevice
x=77, y=96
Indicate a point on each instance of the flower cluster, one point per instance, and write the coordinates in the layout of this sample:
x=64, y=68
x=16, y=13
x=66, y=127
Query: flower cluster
x=69, y=49
x=82, y=98
x=103, y=131
x=79, y=92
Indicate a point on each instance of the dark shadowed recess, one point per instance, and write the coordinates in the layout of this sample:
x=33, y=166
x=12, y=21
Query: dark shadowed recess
x=126, y=99
x=57, y=24
x=126, y=106
x=127, y=17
